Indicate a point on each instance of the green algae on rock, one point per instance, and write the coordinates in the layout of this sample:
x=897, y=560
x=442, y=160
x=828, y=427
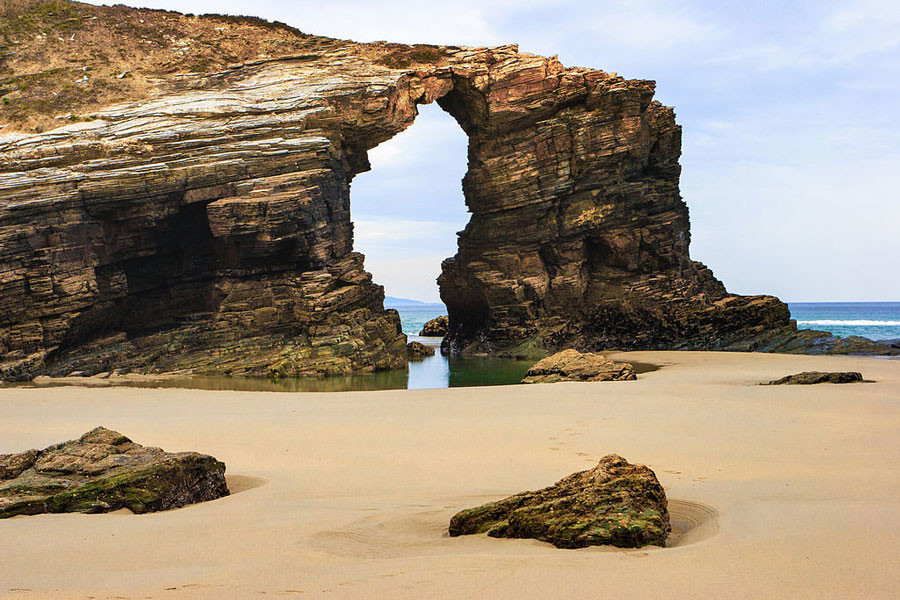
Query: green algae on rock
x=616, y=503
x=103, y=471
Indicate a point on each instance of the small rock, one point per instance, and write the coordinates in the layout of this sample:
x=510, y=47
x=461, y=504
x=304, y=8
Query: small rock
x=616, y=503
x=811, y=377
x=437, y=327
x=572, y=365
x=103, y=471
x=418, y=350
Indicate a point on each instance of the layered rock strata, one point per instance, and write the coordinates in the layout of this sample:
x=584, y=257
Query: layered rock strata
x=103, y=471
x=616, y=503
x=572, y=365
x=204, y=226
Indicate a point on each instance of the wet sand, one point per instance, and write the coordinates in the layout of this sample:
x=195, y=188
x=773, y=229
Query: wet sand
x=776, y=492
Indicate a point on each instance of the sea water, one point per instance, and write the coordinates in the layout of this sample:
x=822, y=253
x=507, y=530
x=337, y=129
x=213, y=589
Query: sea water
x=873, y=320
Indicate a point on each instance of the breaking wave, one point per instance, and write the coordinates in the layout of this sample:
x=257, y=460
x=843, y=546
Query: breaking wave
x=850, y=323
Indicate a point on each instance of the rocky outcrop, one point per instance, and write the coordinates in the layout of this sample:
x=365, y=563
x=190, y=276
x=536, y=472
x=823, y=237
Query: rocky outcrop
x=571, y=365
x=436, y=327
x=204, y=224
x=616, y=503
x=103, y=471
x=418, y=350
x=812, y=377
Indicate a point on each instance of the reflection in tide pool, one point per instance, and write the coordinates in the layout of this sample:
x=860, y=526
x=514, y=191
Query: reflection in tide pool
x=433, y=372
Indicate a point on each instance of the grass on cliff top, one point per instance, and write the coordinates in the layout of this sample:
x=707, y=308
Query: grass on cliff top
x=59, y=57
x=400, y=57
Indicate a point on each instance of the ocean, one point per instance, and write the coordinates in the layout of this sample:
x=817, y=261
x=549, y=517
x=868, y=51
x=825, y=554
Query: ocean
x=414, y=316
x=873, y=320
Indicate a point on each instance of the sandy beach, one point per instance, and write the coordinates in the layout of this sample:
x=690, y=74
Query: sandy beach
x=775, y=492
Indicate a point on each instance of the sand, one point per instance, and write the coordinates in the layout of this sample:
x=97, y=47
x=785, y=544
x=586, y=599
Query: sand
x=776, y=492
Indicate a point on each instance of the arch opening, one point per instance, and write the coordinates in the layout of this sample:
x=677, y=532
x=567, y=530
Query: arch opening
x=408, y=207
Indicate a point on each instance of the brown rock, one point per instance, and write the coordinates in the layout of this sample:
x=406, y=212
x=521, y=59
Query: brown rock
x=436, y=327
x=615, y=503
x=418, y=350
x=572, y=365
x=195, y=215
x=811, y=377
x=102, y=471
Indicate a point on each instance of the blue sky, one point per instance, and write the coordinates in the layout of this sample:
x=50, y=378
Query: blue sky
x=791, y=156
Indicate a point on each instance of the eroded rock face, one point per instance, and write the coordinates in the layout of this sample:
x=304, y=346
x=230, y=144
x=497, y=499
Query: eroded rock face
x=103, y=471
x=572, y=365
x=418, y=350
x=436, y=327
x=813, y=377
x=616, y=503
x=204, y=226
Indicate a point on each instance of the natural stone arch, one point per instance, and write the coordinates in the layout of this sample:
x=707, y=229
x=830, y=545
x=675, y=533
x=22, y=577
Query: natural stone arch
x=206, y=227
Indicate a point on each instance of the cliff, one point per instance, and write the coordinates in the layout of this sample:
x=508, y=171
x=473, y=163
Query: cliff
x=175, y=196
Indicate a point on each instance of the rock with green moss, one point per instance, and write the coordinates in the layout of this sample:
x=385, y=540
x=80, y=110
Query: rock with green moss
x=103, y=471
x=616, y=503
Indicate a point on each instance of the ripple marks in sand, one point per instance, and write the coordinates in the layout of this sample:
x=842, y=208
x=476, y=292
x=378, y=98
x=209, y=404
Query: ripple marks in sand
x=385, y=537
x=692, y=522
x=414, y=534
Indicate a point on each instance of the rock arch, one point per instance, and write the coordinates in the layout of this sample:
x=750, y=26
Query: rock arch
x=206, y=227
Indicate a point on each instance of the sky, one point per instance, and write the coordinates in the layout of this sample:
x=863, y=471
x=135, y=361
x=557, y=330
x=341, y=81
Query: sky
x=791, y=141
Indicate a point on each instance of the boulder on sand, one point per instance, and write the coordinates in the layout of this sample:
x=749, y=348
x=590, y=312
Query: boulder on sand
x=418, y=350
x=437, y=327
x=572, y=365
x=811, y=377
x=103, y=471
x=616, y=503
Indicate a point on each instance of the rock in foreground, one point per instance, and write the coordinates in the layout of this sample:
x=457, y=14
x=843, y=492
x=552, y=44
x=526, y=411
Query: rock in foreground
x=811, y=377
x=103, y=471
x=616, y=503
x=437, y=327
x=418, y=350
x=572, y=365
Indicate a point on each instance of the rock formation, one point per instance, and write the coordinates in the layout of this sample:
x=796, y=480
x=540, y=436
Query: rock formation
x=812, y=377
x=418, y=350
x=192, y=213
x=571, y=365
x=102, y=471
x=615, y=503
x=436, y=327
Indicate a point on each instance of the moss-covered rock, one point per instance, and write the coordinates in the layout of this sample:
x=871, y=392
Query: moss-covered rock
x=616, y=503
x=102, y=471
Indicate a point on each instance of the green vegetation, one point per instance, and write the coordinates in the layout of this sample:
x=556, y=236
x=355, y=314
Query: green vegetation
x=408, y=55
x=25, y=18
